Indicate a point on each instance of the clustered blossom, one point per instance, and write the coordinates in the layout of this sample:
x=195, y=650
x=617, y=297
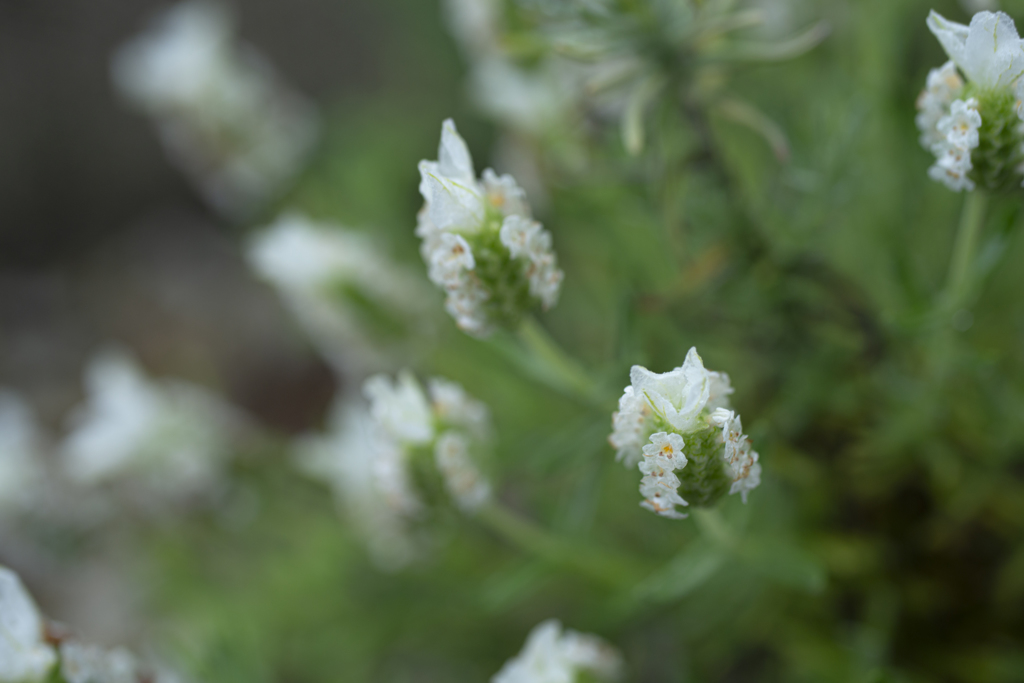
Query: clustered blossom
x=25, y=656
x=554, y=655
x=480, y=244
x=368, y=454
x=951, y=113
x=168, y=438
x=223, y=114
x=329, y=276
x=450, y=421
x=677, y=428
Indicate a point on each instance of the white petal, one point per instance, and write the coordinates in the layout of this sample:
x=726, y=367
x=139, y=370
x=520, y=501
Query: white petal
x=453, y=158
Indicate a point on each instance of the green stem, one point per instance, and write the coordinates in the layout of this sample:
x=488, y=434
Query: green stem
x=587, y=561
x=540, y=357
x=965, y=252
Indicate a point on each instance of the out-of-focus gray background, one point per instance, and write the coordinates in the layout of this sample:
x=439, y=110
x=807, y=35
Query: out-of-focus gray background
x=102, y=240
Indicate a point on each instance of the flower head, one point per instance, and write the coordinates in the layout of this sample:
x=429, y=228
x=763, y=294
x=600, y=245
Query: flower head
x=223, y=114
x=677, y=428
x=170, y=437
x=353, y=301
x=554, y=655
x=973, y=128
x=989, y=51
x=25, y=657
x=480, y=244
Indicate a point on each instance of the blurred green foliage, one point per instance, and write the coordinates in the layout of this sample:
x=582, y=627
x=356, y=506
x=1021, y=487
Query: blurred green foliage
x=887, y=540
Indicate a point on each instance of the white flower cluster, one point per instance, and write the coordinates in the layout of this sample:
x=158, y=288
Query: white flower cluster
x=480, y=244
x=314, y=266
x=949, y=127
x=554, y=655
x=25, y=656
x=991, y=55
x=451, y=421
x=168, y=438
x=366, y=457
x=661, y=415
x=223, y=114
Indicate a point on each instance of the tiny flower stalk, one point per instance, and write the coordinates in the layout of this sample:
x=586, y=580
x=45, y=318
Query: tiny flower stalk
x=973, y=125
x=678, y=429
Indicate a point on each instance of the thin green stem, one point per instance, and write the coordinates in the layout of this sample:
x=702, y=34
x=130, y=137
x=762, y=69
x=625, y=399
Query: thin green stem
x=593, y=563
x=965, y=252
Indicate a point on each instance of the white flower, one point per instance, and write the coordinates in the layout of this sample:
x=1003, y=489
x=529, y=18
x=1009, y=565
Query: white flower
x=989, y=51
x=90, y=664
x=367, y=473
x=741, y=461
x=171, y=436
x=553, y=656
x=960, y=126
x=21, y=471
x=662, y=456
x=458, y=212
x=222, y=112
x=400, y=408
x=678, y=396
x=952, y=166
x=25, y=657
x=453, y=406
x=943, y=86
x=629, y=425
x=310, y=263
x=463, y=480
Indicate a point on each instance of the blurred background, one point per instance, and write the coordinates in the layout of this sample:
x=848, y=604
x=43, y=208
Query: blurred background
x=893, y=531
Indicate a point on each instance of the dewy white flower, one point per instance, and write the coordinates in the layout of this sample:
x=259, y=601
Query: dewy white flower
x=552, y=655
x=463, y=480
x=170, y=436
x=678, y=396
x=222, y=112
x=960, y=127
x=21, y=471
x=25, y=657
x=367, y=473
x=671, y=426
x=458, y=224
x=400, y=408
x=91, y=664
x=313, y=264
x=989, y=51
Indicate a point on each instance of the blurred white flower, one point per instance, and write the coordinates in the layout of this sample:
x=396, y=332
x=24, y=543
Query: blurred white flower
x=464, y=482
x=677, y=428
x=22, y=474
x=91, y=664
x=169, y=438
x=454, y=407
x=367, y=472
x=552, y=655
x=400, y=408
x=479, y=241
x=25, y=657
x=943, y=86
x=223, y=113
x=328, y=276
x=989, y=51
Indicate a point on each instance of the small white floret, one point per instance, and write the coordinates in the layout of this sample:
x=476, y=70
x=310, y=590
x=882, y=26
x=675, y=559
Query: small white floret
x=553, y=656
